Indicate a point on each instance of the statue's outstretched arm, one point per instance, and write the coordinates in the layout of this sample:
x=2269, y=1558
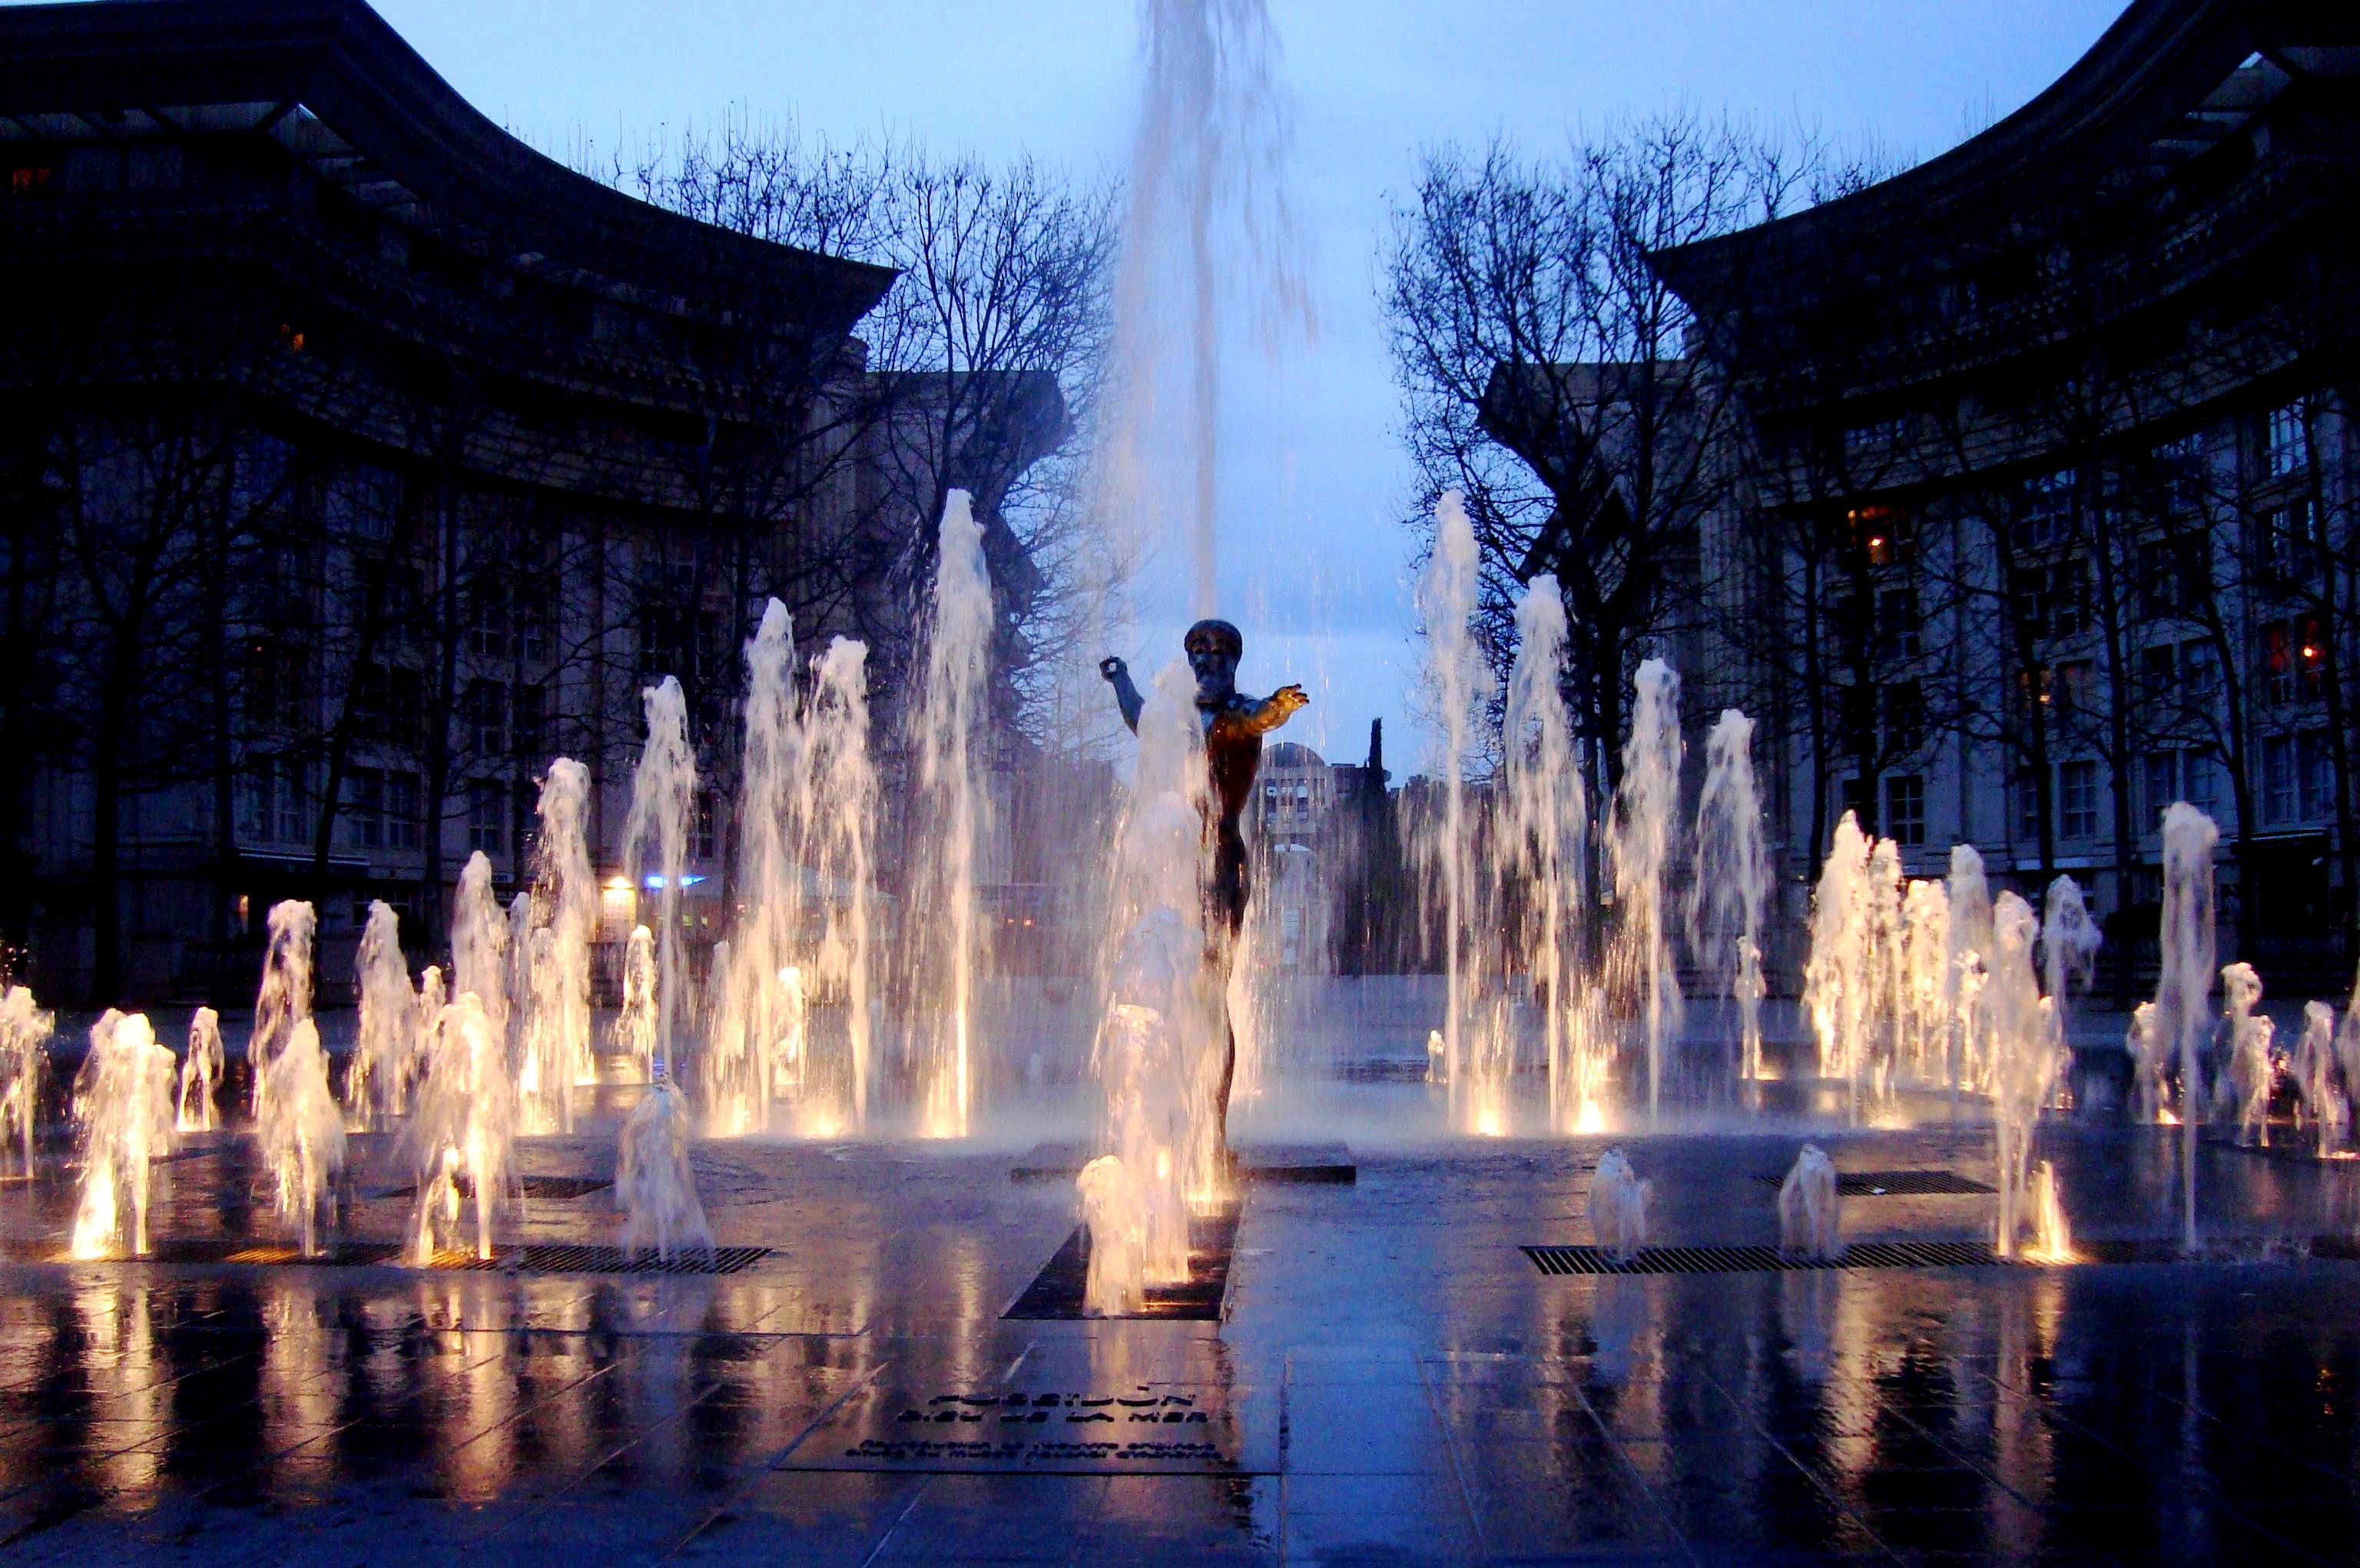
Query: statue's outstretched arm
x=1125, y=691
x=1275, y=709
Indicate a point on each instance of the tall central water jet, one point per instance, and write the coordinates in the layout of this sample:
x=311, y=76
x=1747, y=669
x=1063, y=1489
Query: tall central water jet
x=747, y=1038
x=948, y=823
x=2180, y=1020
x=1542, y=852
x=564, y=910
x=1639, y=841
x=1204, y=213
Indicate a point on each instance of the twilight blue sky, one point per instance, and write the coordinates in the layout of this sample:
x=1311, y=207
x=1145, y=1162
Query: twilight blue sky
x=1313, y=565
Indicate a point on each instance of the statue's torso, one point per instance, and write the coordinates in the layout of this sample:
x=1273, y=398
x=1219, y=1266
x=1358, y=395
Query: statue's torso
x=1233, y=753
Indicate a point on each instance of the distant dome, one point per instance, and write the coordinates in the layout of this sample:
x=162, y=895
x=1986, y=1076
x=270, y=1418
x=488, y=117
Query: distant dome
x=1287, y=754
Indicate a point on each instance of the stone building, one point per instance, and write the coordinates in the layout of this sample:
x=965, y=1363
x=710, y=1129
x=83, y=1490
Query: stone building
x=2045, y=515
x=356, y=460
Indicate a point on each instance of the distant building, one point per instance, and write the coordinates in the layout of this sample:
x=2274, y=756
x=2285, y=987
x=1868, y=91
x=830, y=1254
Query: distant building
x=356, y=460
x=2046, y=516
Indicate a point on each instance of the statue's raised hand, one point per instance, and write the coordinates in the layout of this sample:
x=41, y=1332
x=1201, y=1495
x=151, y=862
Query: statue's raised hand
x=1113, y=669
x=1278, y=708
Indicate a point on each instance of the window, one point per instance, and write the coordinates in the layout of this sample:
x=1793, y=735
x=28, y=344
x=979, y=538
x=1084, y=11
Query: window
x=277, y=678
x=2045, y=510
x=2277, y=662
x=388, y=705
x=1853, y=795
x=401, y=811
x=2315, y=773
x=365, y=808
x=487, y=621
x=1904, y=716
x=2171, y=575
x=1904, y=809
x=1886, y=535
x=2277, y=779
x=2159, y=784
x=2030, y=787
x=705, y=846
x=2052, y=598
x=2075, y=680
x=2199, y=671
x=1897, y=633
x=484, y=710
x=2290, y=542
x=1859, y=720
x=2183, y=472
x=2077, y=800
x=532, y=725
x=485, y=801
x=2159, y=678
x=2286, y=447
x=2200, y=785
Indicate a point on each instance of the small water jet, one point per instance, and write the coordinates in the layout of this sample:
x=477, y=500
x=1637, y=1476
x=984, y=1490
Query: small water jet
x=25, y=1032
x=1618, y=1207
x=299, y=1134
x=123, y=1109
x=2252, y=1073
x=2184, y=980
x=663, y=796
x=1446, y=603
x=463, y=1130
x=557, y=1057
x=2069, y=940
x=1639, y=834
x=1969, y=894
x=2322, y=1104
x=1837, y=976
x=747, y=1036
x=1732, y=880
x=836, y=807
x=479, y=943
x=2027, y=1054
x=636, y=1022
x=1115, y=1283
x=2053, y=1238
x=389, y=1026
x=284, y=998
x=654, y=1184
x=1809, y=1225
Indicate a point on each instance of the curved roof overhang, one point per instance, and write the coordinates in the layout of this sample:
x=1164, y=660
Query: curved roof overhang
x=2168, y=81
x=339, y=87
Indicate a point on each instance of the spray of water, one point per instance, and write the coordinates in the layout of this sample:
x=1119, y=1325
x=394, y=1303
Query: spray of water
x=479, y=943
x=754, y=1024
x=25, y=1032
x=1618, y=1207
x=836, y=808
x=2322, y=1105
x=1639, y=839
x=945, y=933
x=1930, y=978
x=2185, y=980
x=1732, y=880
x=464, y=1132
x=1971, y=940
x=1837, y=976
x=2069, y=940
x=636, y=1022
x=1540, y=852
x=663, y=792
x=377, y=1086
x=301, y=1135
x=1809, y=1223
x=124, y=1115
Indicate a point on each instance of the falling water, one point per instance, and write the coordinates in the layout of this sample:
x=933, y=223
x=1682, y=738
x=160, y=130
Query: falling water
x=389, y=1025
x=1929, y=978
x=943, y=933
x=1446, y=602
x=284, y=999
x=24, y=1055
x=1733, y=879
x=748, y=1037
x=1886, y=967
x=2053, y=1238
x=123, y=1109
x=2318, y=1082
x=2026, y=1053
x=1639, y=835
x=2251, y=1073
x=654, y=1185
x=2185, y=978
x=1836, y=975
x=663, y=792
x=463, y=1130
x=1541, y=849
x=557, y=1056
x=299, y=1133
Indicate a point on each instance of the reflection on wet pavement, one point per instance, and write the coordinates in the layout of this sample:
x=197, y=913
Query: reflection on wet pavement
x=1393, y=1380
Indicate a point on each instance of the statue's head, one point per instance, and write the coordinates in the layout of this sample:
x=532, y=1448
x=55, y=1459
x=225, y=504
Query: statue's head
x=1214, y=648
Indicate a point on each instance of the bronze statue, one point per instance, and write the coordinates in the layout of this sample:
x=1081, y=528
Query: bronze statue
x=1234, y=725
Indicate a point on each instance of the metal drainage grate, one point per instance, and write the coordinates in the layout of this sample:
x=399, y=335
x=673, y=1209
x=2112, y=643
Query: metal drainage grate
x=577, y=1258
x=1896, y=1183
x=1566, y=1260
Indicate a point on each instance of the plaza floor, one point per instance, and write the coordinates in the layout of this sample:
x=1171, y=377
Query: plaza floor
x=1392, y=1378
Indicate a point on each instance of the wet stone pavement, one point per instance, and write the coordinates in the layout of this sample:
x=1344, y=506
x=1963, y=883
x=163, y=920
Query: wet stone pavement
x=1393, y=1380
